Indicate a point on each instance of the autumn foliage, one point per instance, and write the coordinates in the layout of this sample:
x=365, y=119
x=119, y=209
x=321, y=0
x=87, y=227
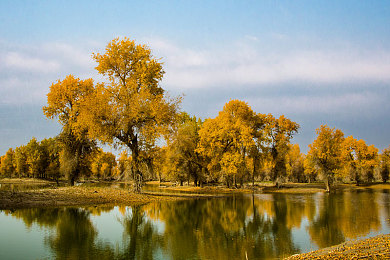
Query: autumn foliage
x=132, y=112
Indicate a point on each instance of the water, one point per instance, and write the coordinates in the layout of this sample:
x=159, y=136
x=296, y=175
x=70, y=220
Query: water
x=263, y=226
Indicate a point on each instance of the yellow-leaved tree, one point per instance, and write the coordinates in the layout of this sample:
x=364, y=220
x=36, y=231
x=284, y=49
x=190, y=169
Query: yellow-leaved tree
x=227, y=140
x=359, y=159
x=131, y=109
x=280, y=132
x=385, y=164
x=326, y=153
x=183, y=161
x=64, y=101
x=295, y=163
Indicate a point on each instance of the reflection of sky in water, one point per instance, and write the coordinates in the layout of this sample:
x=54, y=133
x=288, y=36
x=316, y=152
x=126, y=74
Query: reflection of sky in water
x=110, y=228
x=17, y=241
x=302, y=238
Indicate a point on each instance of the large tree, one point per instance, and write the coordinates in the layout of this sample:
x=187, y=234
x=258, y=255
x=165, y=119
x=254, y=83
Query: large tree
x=326, y=153
x=359, y=159
x=131, y=109
x=64, y=102
x=280, y=132
x=227, y=140
x=183, y=161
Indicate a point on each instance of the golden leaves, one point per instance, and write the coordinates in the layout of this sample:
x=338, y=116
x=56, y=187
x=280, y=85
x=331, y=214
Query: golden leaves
x=65, y=98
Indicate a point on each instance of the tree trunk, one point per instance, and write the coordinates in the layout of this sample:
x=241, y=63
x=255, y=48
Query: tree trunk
x=255, y=161
x=357, y=179
x=71, y=180
x=329, y=182
x=149, y=163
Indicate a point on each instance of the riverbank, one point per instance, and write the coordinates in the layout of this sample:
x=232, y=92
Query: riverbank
x=74, y=196
x=288, y=188
x=53, y=195
x=371, y=248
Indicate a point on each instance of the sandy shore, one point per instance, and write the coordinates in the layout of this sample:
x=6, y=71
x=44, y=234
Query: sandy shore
x=74, y=196
x=371, y=248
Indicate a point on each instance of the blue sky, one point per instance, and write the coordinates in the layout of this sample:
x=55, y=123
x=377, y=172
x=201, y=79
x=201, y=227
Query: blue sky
x=314, y=61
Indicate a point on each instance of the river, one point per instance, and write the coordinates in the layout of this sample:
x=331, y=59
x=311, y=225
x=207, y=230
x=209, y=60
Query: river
x=260, y=226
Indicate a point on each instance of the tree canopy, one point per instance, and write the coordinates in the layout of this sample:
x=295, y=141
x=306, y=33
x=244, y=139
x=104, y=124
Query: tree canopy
x=326, y=152
x=131, y=109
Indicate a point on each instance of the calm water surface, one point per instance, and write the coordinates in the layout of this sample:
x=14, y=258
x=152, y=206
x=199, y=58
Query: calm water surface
x=264, y=226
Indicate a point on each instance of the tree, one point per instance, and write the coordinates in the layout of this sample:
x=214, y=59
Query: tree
x=350, y=158
x=123, y=166
x=259, y=151
x=227, y=140
x=359, y=159
x=367, y=160
x=280, y=131
x=295, y=163
x=21, y=166
x=51, y=148
x=132, y=109
x=7, y=163
x=385, y=164
x=34, y=158
x=326, y=152
x=102, y=164
x=64, y=102
x=183, y=159
x=311, y=170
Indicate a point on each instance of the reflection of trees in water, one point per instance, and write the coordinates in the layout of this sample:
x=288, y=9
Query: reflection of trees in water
x=223, y=229
x=229, y=228
x=386, y=202
x=75, y=236
x=323, y=230
x=42, y=217
x=140, y=234
x=345, y=215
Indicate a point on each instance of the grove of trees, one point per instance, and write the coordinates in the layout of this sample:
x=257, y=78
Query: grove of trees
x=131, y=111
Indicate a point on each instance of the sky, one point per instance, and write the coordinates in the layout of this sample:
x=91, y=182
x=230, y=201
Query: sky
x=316, y=62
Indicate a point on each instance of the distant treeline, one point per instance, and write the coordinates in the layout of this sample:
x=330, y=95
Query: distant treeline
x=45, y=160
x=224, y=149
x=131, y=110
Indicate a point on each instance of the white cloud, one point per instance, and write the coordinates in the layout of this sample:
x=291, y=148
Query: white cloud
x=26, y=72
x=347, y=103
x=27, y=63
x=72, y=54
x=247, y=63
